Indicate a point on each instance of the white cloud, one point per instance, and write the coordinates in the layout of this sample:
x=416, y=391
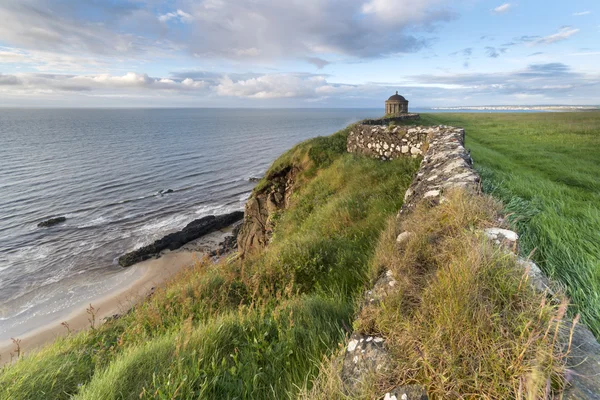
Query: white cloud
x=129, y=82
x=502, y=8
x=563, y=34
x=177, y=15
x=271, y=87
x=579, y=14
x=402, y=11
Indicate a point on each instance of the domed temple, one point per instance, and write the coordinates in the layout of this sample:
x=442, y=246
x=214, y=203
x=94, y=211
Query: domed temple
x=396, y=104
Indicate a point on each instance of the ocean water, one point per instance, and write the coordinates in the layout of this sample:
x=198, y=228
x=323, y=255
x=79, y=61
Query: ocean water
x=104, y=170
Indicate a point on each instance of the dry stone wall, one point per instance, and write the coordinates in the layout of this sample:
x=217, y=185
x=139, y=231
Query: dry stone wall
x=447, y=164
x=387, y=142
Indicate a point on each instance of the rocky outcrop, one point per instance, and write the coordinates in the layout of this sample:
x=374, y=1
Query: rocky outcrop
x=261, y=208
x=51, y=222
x=173, y=241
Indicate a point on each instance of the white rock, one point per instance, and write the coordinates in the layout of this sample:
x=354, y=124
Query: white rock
x=431, y=193
x=378, y=340
x=493, y=233
x=355, y=359
x=403, y=237
x=369, y=145
x=389, y=396
x=385, y=146
x=415, y=150
x=455, y=164
x=431, y=178
x=352, y=345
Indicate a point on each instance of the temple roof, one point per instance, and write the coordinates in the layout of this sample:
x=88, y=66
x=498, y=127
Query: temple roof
x=396, y=97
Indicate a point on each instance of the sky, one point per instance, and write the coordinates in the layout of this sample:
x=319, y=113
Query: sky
x=298, y=53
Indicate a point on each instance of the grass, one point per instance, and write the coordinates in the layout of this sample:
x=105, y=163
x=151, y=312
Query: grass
x=252, y=328
x=545, y=168
x=461, y=320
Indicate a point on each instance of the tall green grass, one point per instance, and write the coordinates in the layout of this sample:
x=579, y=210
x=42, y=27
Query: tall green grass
x=253, y=328
x=545, y=167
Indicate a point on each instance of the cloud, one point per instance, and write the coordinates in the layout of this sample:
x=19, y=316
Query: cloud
x=313, y=28
x=563, y=34
x=536, y=79
x=502, y=8
x=75, y=83
x=318, y=62
x=550, y=83
x=537, y=53
x=466, y=52
x=273, y=86
x=493, y=52
x=178, y=15
x=32, y=25
x=224, y=29
x=579, y=14
x=9, y=80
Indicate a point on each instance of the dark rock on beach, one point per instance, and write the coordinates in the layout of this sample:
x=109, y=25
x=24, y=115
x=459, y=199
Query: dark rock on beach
x=229, y=243
x=51, y=222
x=253, y=179
x=173, y=241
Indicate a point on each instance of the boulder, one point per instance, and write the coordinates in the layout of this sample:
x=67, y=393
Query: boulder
x=51, y=222
x=173, y=241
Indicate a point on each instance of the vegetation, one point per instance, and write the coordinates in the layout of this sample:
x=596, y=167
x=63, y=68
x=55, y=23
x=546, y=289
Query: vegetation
x=253, y=328
x=461, y=320
x=545, y=168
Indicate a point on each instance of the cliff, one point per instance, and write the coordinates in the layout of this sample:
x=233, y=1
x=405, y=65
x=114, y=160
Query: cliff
x=262, y=207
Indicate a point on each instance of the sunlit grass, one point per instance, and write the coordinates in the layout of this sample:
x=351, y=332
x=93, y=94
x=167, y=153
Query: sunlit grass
x=252, y=328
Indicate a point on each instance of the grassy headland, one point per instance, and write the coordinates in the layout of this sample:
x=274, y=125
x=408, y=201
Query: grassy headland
x=462, y=322
x=545, y=168
x=255, y=328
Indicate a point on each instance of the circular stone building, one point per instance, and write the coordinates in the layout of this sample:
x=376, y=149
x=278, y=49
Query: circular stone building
x=396, y=104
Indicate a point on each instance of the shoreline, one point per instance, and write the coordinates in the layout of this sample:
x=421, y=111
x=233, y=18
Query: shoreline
x=155, y=272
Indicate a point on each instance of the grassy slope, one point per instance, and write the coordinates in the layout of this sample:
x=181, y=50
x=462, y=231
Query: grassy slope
x=251, y=329
x=545, y=167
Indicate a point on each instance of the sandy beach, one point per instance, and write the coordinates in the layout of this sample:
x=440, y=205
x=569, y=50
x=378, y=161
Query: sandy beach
x=153, y=273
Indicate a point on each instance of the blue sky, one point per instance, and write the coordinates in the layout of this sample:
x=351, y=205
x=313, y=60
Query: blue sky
x=298, y=53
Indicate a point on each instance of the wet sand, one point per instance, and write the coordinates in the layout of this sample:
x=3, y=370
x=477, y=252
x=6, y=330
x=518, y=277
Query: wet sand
x=153, y=273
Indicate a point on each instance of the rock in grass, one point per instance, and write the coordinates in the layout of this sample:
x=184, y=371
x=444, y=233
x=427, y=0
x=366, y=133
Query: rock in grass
x=192, y=231
x=51, y=222
x=407, y=392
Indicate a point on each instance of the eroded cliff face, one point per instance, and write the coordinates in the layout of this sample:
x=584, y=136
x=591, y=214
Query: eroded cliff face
x=261, y=208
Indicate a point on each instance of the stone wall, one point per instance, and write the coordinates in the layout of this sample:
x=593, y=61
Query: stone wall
x=387, y=142
x=447, y=164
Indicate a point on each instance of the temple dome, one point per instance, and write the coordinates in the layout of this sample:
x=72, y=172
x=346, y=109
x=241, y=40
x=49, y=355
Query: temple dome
x=396, y=97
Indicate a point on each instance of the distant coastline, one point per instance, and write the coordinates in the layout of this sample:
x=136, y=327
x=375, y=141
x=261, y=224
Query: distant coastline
x=521, y=108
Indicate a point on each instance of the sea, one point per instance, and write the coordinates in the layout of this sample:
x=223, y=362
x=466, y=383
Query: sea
x=107, y=171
